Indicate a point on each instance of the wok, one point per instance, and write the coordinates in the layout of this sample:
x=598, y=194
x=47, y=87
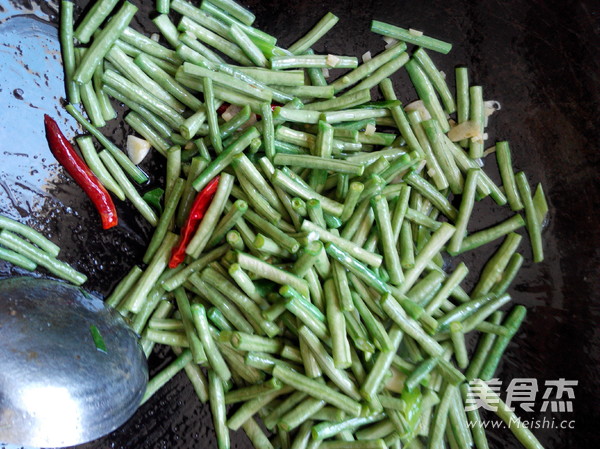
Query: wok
x=537, y=58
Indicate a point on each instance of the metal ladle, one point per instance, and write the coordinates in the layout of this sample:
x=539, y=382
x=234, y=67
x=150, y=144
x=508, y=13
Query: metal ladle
x=57, y=388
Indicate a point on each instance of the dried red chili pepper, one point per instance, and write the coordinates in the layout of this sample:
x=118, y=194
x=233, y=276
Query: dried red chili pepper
x=197, y=211
x=66, y=155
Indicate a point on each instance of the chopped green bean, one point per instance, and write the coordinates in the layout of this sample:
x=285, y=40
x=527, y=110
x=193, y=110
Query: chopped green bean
x=462, y=97
x=427, y=93
x=476, y=116
x=480, y=238
x=412, y=38
x=367, y=68
x=465, y=210
x=225, y=158
x=17, y=259
x=318, y=163
x=359, y=253
x=67, y=48
x=509, y=274
x=437, y=79
x=345, y=101
x=317, y=389
x=167, y=374
x=444, y=159
x=372, y=383
x=321, y=28
x=503, y=157
x=432, y=194
x=213, y=355
x=496, y=265
x=30, y=234
x=214, y=40
x=196, y=346
x=512, y=323
x=217, y=407
x=17, y=245
x=246, y=305
x=275, y=274
x=337, y=326
x=384, y=225
x=533, y=226
x=103, y=42
x=386, y=70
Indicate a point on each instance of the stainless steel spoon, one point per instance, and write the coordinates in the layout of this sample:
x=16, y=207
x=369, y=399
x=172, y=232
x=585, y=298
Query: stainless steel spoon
x=57, y=388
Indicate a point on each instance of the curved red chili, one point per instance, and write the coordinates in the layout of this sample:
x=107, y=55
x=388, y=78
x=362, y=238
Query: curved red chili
x=65, y=154
x=197, y=211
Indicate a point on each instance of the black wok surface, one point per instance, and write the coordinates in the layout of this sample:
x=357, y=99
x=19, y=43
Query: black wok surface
x=537, y=58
